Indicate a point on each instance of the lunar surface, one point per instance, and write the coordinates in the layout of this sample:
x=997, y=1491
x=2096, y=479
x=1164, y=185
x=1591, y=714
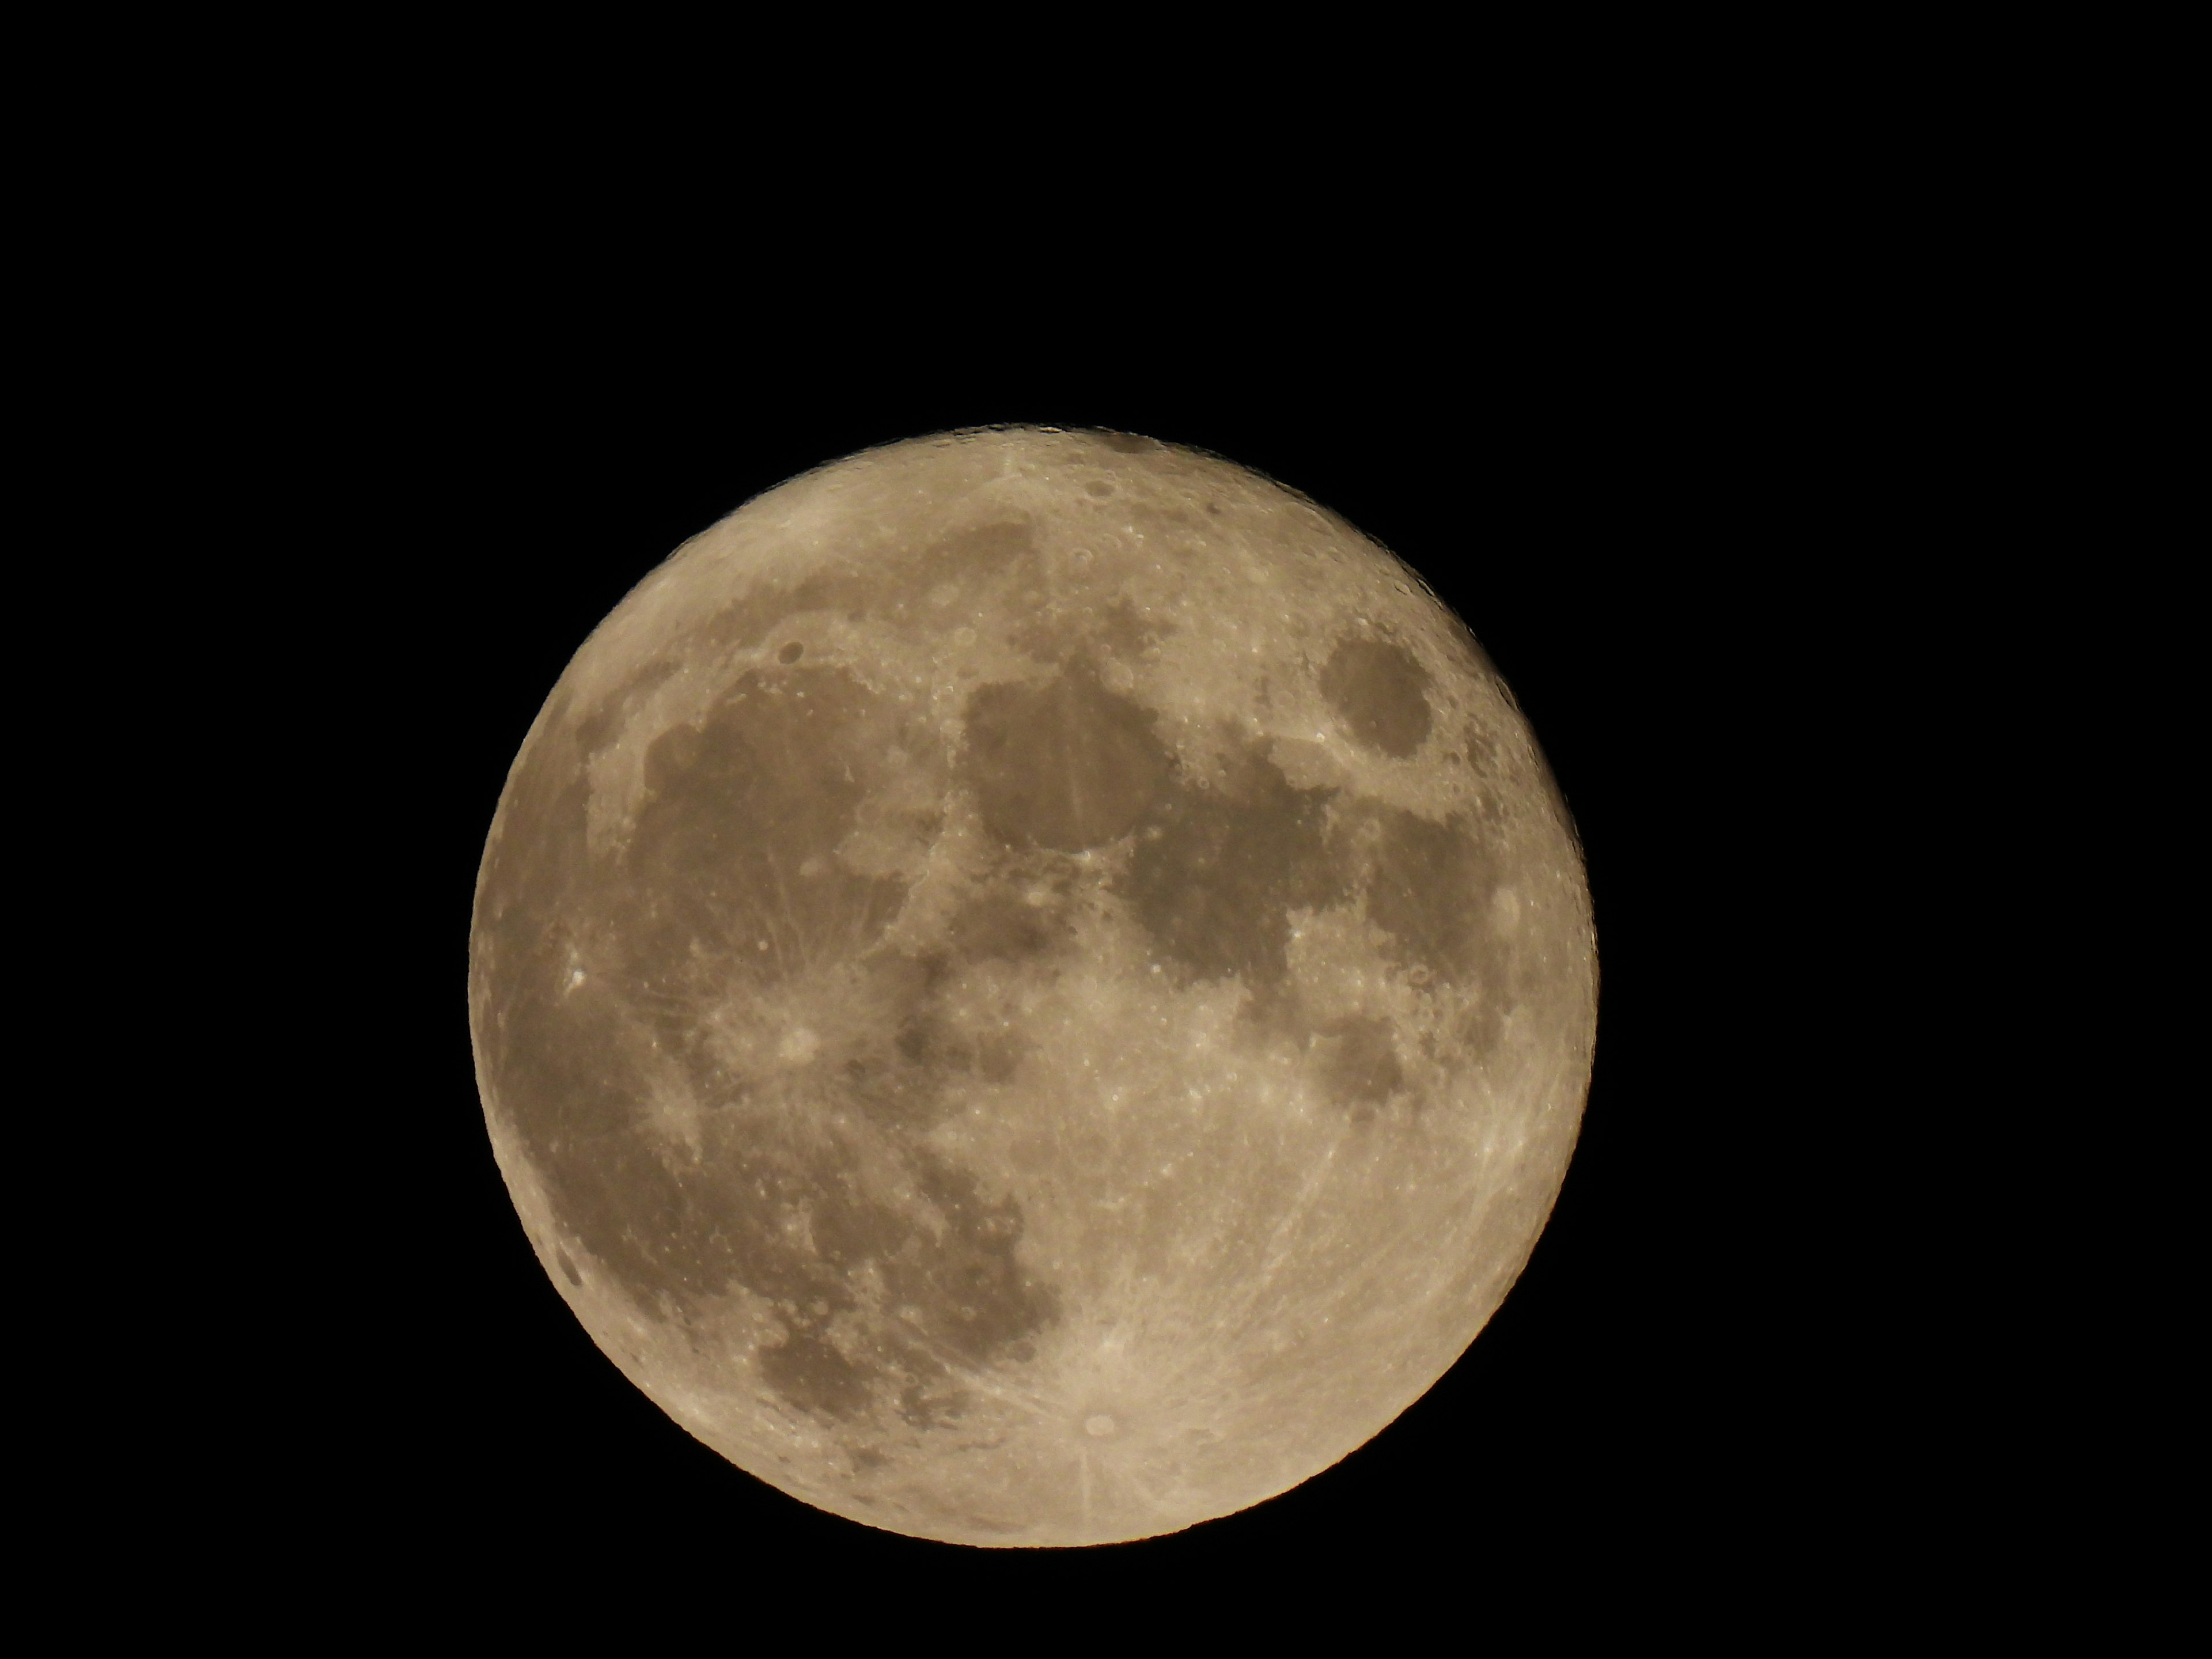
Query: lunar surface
x=1032, y=988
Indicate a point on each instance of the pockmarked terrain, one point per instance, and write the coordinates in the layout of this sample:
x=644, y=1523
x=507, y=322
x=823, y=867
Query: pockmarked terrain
x=1032, y=988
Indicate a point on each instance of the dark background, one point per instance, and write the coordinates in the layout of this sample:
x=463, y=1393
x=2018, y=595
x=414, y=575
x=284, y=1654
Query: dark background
x=1655, y=541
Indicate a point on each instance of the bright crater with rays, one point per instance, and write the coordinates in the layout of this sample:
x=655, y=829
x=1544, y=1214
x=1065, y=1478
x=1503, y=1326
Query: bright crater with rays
x=1032, y=988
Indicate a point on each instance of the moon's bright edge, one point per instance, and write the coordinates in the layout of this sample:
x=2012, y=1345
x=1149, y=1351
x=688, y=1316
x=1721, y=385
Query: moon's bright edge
x=1032, y=988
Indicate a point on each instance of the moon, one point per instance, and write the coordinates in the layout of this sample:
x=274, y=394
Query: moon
x=1032, y=988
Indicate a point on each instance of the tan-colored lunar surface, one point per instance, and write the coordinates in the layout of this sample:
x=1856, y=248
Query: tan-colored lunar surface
x=1032, y=988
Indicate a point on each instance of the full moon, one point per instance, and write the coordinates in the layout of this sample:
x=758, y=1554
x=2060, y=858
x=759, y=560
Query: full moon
x=1032, y=988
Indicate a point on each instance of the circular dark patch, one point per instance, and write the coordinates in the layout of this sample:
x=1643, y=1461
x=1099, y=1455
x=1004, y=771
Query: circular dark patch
x=1382, y=694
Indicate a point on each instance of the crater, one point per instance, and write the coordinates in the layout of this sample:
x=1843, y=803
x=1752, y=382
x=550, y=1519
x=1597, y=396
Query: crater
x=1217, y=870
x=1381, y=693
x=1063, y=763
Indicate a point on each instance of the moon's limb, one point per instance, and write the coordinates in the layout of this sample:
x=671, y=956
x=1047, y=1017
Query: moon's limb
x=1032, y=988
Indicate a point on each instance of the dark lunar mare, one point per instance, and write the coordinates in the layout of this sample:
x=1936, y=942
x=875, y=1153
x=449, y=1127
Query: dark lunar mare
x=1381, y=692
x=728, y=878
x=1217, y=870
x=1065, y=765
x=733, y=845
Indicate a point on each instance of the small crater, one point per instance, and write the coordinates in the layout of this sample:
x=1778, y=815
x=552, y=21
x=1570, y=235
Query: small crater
x=790, y=652
x=1098, y=1425
x=567, y=1268
x=1126, y=443
x=1381, y=693
x=1098, y=489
